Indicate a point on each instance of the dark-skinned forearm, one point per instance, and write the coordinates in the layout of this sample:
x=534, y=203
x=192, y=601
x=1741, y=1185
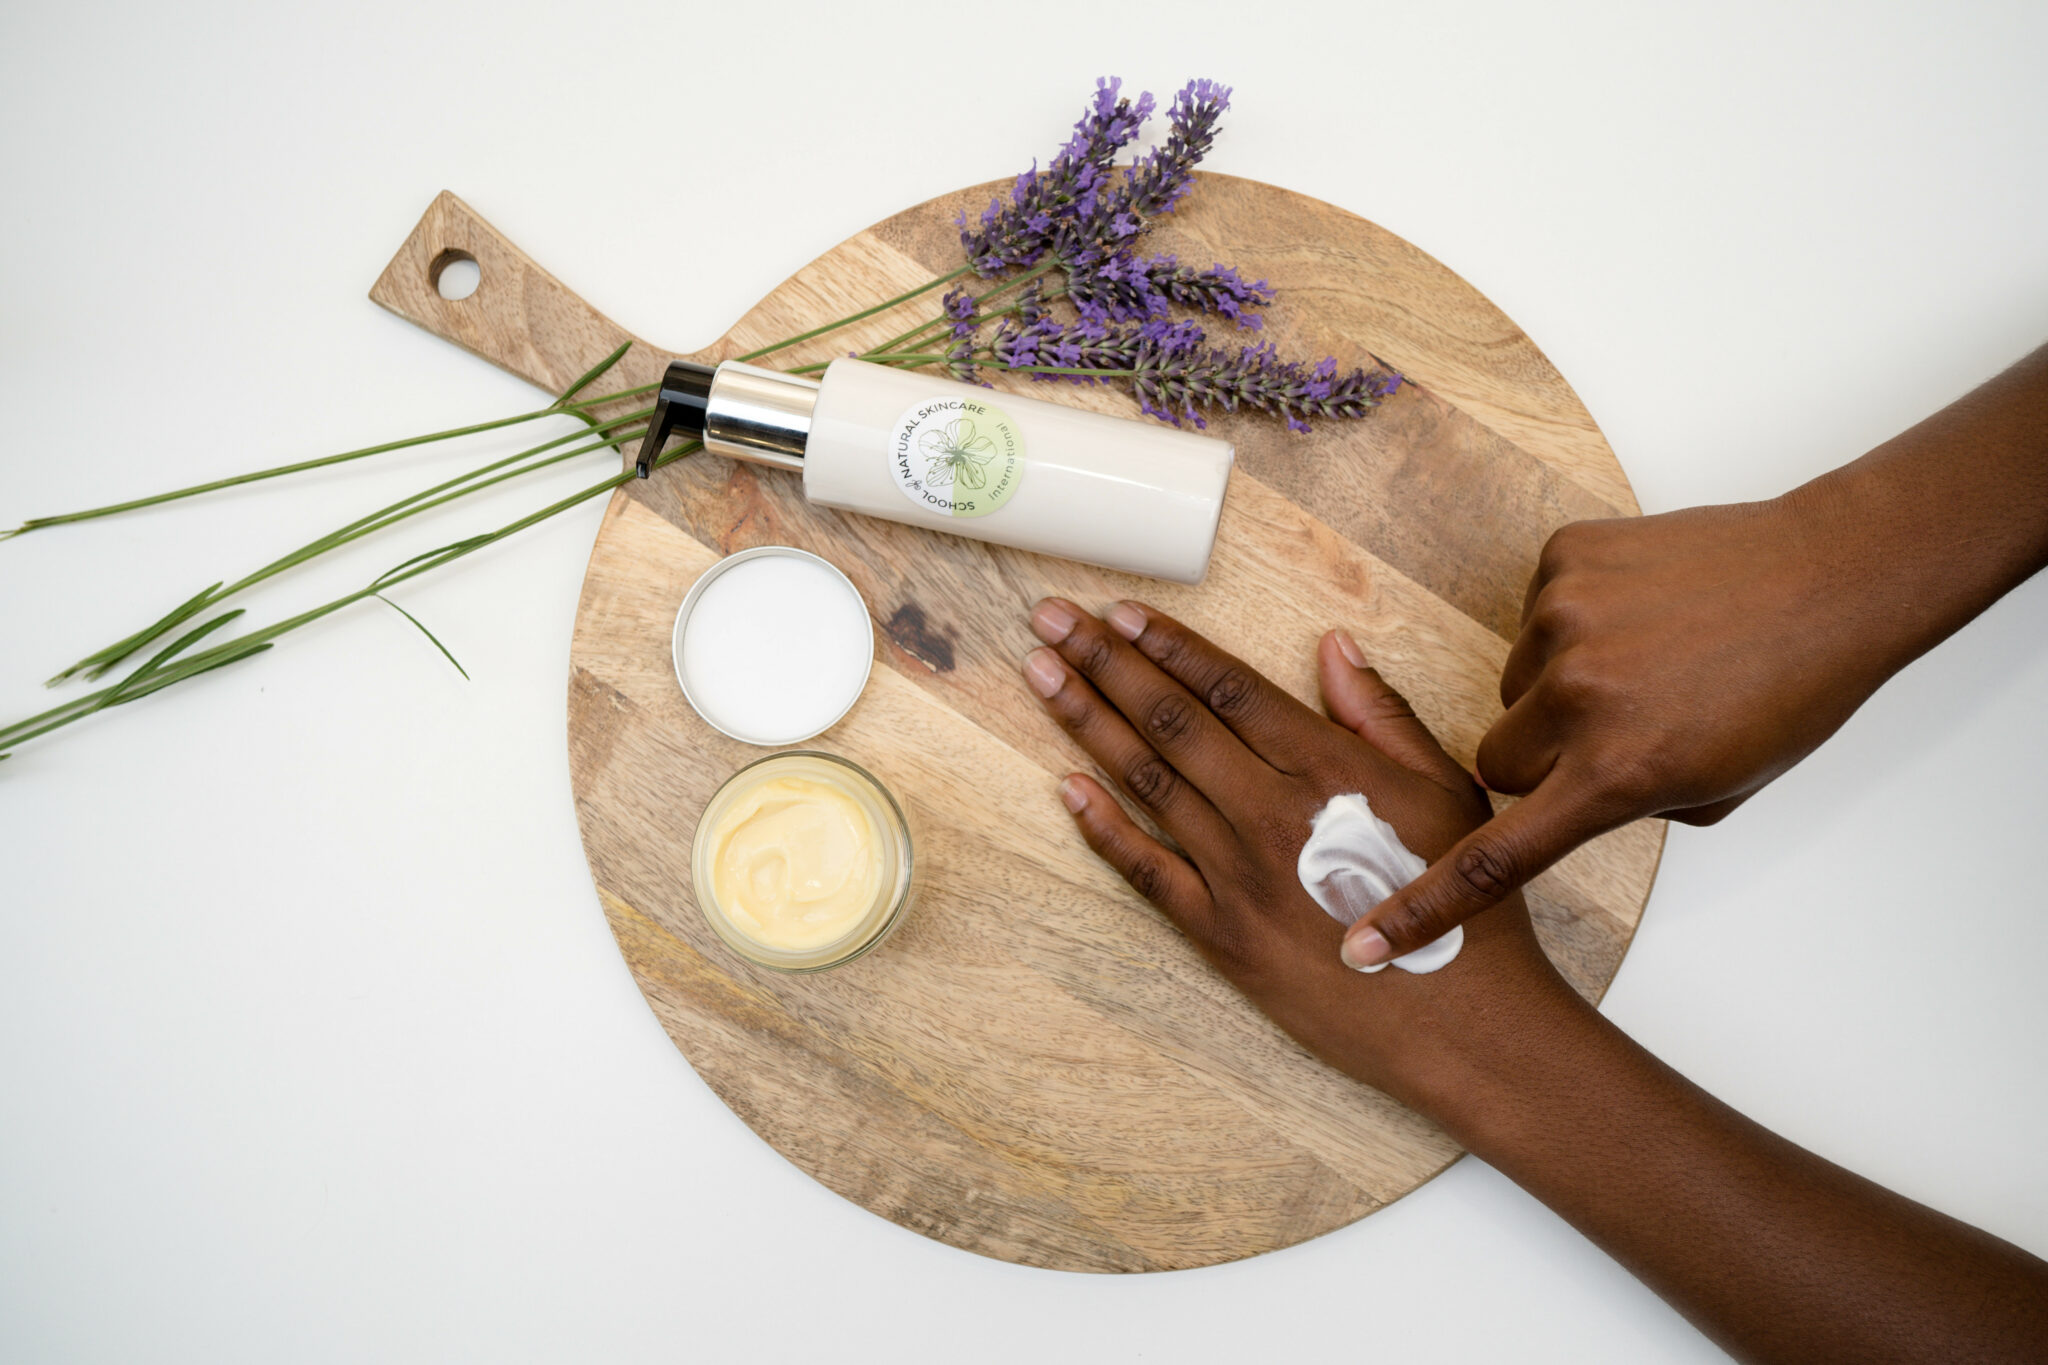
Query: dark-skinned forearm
x=1772, y=1251
x=1942, y=520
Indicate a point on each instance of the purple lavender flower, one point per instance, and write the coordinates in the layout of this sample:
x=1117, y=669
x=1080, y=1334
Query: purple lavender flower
x=1031, y=301
x=1100, y=229
x=1163, y=176
x=1122, y=286
x=1128, y=288
x=1072, y=209
x=1176, y=375
x=1256, y=377
x=960, y=363
x=1019, y=234
x=965, y=311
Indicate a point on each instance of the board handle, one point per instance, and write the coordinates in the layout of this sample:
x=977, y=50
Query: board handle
x=519, y=317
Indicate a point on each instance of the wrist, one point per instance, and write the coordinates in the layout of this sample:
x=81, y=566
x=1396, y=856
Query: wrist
x=1872, y=571
x=1934, y=525
x=1496, y=1048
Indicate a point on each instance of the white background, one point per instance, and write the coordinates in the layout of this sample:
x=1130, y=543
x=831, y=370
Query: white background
x=313, y=1042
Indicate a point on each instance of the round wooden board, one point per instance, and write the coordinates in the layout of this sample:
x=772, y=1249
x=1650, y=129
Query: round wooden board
x=1036, y=1067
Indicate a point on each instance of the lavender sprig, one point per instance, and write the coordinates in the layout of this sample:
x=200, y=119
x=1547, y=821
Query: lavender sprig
x=963, y=310
x=1127, y=288
x=1165, y=175
x=1072, y=210
x=1256, y=377
x=1155, y=183
x=1019, y=233
x=1176, y=375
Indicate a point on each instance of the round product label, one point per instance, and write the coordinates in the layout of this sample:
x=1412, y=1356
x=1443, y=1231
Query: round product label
x=959, y=457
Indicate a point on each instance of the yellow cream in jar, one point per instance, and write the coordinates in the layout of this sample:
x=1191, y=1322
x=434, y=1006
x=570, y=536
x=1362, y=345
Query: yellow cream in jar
x=795, y=863
x=802, y=861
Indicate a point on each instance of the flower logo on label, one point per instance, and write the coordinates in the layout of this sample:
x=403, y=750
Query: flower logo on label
x=956, y=454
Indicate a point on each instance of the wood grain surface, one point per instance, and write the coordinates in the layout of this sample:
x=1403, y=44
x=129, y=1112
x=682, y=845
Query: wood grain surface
x=1036, y=1066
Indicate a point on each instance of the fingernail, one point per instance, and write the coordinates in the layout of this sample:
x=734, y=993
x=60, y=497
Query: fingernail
x=1052, y=623
x=1348, y=647
x=1072, y=796
x=1126, y=620
x=1366, y=949
x=1045, y=670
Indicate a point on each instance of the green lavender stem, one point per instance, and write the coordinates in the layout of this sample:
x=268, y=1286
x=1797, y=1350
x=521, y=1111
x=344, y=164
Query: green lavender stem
x=916, y=360
x=907, y=359
x=135, y=504
x=561, y=405
x=99, y=664
x=159, y=673
x=917, y=334
x=852, y=318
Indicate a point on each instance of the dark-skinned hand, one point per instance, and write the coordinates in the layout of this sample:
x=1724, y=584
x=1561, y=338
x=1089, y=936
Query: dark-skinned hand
x=1669, y=665
x=1232, y=769
x=1675, y=665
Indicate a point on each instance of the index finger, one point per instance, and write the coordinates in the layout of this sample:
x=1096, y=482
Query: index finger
x=1265, y=716
x=1485, y=867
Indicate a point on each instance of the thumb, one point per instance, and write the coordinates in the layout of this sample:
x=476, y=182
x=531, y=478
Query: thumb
x=1485, y=866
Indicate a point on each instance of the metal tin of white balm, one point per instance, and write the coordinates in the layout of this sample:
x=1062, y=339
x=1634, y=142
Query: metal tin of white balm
x=773, y=645
x=891, y=852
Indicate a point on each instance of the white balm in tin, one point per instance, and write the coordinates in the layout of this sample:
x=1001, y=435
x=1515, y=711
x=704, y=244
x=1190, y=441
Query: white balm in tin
x=773, y=645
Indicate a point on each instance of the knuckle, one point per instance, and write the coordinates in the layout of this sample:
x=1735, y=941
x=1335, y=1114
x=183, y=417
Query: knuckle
x=1576, y=679
x=1234, y=693
x=1171, y=717
x=1581, y=545
x=1091, y=652
x=1151, y=780
x=1568, y=609
x=1390, y=706
x=1074, y=708
x=1556, y=612
x=1487, y=871
x=1407, y=925
x=1167, y=646
x=1513, y=682
x=1558, y=551
x=1146, y=873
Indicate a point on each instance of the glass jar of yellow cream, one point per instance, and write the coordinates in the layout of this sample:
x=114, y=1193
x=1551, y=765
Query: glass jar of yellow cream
x=802, y=861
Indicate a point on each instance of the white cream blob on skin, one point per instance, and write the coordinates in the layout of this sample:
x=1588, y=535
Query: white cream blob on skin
x=773, y=646
x=1352, y=861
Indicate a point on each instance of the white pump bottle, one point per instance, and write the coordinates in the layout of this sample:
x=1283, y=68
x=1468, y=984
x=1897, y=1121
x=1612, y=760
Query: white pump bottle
x=912, y=447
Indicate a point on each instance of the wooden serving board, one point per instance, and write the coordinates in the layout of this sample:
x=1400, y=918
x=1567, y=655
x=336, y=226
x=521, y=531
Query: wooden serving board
x=1036, y=1066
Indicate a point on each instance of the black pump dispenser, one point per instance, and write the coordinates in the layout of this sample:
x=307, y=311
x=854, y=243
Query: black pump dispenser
x=678, y=410
x=735, y=409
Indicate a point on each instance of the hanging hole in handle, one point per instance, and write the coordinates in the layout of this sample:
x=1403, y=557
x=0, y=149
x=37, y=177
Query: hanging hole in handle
x=454, y=274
